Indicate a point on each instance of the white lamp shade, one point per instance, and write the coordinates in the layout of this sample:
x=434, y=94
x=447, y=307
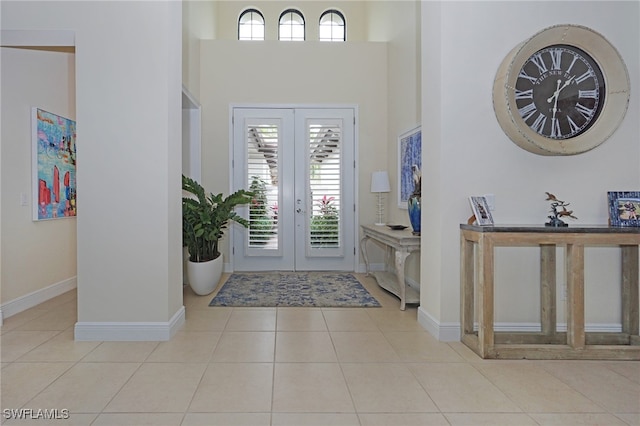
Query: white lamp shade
x=380, y=182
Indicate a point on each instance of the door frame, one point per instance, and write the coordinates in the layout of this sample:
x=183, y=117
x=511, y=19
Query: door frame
x=356, y=184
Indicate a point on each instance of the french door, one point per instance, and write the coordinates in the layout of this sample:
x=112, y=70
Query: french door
x=299, y=162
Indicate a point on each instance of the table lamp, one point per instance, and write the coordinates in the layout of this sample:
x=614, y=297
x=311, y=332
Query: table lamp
x=380, y=185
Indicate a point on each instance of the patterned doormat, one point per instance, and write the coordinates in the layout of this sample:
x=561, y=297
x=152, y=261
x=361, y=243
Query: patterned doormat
x=281, y=289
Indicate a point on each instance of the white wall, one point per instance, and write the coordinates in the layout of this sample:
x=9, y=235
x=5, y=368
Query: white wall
x=128, y=110
x=467, y=153
x=294, y=74
x=198, y=23
x=35, y=255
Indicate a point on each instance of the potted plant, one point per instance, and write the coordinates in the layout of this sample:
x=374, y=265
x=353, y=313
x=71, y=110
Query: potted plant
x=204, y=219
x=261, y=222
x=325, y=225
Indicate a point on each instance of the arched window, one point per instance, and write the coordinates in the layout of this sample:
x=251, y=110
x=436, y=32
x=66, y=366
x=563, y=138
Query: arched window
x=291, y=25
x=333, y=26
x=251, y=25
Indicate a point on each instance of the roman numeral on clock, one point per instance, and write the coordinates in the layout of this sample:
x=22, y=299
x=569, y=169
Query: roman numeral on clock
x=556, y=58
x=555, y=128
x=593, y=94
x=538, y=125
x=528, y=77
x=527, y=111
x=539, y=62
x=586, y=112
x=575, y=58
x=524, y=94
x=583, y=77
x=574, y=127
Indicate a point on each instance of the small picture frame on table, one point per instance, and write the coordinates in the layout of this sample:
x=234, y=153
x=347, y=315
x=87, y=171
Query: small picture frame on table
x=624, y=208
x=481, y=210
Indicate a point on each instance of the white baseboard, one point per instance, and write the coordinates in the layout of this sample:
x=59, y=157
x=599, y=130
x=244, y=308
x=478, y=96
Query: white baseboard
x=373, y=267
x=444, y=332
x=450, y=332
x=595, y=328
x=130, y=331
x=35, y=298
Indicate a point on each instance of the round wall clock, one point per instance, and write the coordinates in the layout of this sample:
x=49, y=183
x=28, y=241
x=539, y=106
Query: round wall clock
x=564, y=91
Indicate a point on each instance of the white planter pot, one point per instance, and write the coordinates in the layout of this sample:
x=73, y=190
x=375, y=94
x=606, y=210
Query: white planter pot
x=204, y=276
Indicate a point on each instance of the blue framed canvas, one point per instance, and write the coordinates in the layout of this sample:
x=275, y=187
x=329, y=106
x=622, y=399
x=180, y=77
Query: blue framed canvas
x=53, y=165
x=624, y=208
x=409, y=155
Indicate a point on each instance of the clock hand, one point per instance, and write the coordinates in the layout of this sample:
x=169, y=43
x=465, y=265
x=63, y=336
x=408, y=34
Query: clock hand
x=555, y=100
x=566, y=83
x=556, y=93
x=559, y=89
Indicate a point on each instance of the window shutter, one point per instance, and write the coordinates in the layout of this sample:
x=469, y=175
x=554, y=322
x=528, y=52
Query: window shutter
x=262, y=178
x=325, y=168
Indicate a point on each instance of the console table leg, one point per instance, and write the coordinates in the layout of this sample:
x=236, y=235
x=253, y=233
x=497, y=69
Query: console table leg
x=575, y=296
x=400, y=258
x=548, y=289
x=467, y=269
x=630, y=284
x=363, y=249
x=486, y=338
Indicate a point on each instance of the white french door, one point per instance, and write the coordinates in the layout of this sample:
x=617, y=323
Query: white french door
x=300, y=163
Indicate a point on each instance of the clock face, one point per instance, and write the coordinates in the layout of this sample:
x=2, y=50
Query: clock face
x=559, y=92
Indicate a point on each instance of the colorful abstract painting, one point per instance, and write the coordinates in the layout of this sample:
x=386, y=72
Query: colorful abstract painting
x=54, y=165
x=409, y=160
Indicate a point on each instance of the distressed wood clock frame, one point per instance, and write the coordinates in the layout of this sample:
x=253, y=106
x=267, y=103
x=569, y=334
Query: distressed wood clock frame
x=593, y=49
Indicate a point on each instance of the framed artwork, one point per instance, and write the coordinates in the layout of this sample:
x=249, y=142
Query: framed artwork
x=624, y=208
x=481, y=210
x=53, y=166
x=409, y=164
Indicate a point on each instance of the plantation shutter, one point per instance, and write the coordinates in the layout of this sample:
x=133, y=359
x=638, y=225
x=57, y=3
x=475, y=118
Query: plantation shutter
x=325, y=236
x=263, y=147
x=300, y=165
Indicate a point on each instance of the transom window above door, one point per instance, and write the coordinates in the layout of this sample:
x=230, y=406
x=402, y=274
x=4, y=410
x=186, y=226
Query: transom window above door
x=251, y=25
x=332, y=26
x=291, y=26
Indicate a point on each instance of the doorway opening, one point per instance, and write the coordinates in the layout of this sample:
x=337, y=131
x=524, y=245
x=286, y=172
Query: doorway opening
x=300, y=164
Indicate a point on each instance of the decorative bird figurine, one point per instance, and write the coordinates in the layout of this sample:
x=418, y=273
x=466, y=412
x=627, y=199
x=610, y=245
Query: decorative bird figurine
x=551, y=197
x=566, y=213
x=557, y=214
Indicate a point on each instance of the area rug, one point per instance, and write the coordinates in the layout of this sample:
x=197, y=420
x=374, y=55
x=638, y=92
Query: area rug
x=280, y=289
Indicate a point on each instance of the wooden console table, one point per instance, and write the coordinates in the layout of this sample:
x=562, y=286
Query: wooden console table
x=478, y=269
x=403, y=242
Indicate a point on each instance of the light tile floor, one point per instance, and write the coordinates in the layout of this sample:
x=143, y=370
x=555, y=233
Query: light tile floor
x=296, y=366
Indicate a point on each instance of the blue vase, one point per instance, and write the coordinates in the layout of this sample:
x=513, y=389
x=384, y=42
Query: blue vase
x=414, y=212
